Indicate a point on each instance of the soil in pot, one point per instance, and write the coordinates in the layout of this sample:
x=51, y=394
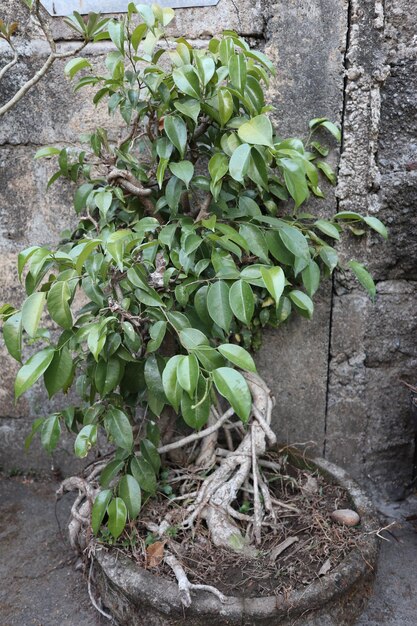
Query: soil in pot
x=303, y=545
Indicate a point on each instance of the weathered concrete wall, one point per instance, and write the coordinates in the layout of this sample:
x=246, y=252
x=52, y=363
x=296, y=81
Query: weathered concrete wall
x=336, y=378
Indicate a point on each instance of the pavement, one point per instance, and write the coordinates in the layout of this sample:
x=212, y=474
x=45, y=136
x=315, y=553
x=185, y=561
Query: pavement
x=40, y=585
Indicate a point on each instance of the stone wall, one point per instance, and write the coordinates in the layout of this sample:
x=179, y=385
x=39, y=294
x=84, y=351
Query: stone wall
x=336, y=378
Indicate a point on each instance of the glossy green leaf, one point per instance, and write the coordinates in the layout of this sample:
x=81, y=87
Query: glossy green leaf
x=184, y=170
x=129, y=491
x=218, y=166
x=59, y=373
x=144, y=473
x=195, y=411
x=50, y=433
x=192, y=338
x=242, y=301
x=117, y=513
x=86, y=439
x=274, y=279
x=12, y=335
x=303, y=303
x=225, y=105
x=119, y=428
x=294, y=241
x=187, y=373
x=108, y=375
x=256, y=241
x=327, y=228
x=150, y=454
x=32, y=370
x=295, y=180
x=376, y=225
x=137, y=35
x=176, y=131
x=58, y=304
x=170, y=384
x=364, y=277
x=186, y=79
x=99, y=509
x=110, y=472
x=71, y=69
x=116, y=32
x=237, y=72
x=258, y=131
x=239, y=162
x=205, y=68
x=218, y=305
x=238, y=356
x=153, y=377
x=31, y=312
x=232, y=386
x=189, y=107
x=311, y=278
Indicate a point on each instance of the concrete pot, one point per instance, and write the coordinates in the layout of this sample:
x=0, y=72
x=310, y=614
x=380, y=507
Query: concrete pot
x=136, y=597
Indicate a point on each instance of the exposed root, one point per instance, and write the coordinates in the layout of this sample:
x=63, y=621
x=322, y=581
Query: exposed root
x=94, y=602
x=185, y=586
x=79, y=525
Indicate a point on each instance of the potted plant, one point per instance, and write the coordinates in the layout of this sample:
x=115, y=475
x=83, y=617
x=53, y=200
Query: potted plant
x=192, y=236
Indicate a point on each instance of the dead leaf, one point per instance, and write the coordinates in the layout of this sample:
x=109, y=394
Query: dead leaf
x=325, y=568
x=281, y=547
x=311, y=485
x=155, y=553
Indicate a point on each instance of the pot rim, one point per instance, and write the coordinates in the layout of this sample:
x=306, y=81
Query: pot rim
x=162, y=594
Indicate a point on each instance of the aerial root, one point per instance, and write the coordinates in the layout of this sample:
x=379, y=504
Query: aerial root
x=185, y=586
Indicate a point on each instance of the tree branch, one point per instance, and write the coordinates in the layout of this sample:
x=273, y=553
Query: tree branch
x=9, y=65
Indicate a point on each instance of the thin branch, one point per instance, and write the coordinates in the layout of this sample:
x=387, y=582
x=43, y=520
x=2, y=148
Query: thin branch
x=203, y=433
x=9, y=65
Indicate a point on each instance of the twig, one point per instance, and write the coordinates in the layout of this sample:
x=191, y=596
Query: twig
x=203, y=433
x=9, y=65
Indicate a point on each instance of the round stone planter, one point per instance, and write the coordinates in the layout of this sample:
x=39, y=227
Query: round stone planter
x=136, y=597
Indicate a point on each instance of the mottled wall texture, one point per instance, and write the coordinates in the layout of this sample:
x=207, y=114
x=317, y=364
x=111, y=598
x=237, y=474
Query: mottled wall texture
x=337, y=379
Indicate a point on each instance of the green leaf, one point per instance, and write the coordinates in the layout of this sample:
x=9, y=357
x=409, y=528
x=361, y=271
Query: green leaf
x=258, y=131
x=99, y=509
x=157, y=333
x=58, y=304
x=150, y=454
x=117, y=35
x=170, y=382
x=32, y=370
x=311, y=278
x=376, y=225
x=103, y=200
x=303, y=303
x=327, y=228
x=184, y=170
x=329, y=257
x=176, y=131
x=137, y=35
x=31, y=312
x=129, y=491
x=189, y=107
x=232, y=386
x=186, y=79
x=205, y=68
x=225, y=99
x=238, y=356
x=59, y=373
x=153, y=378
x=47, y=151
x=108, y=375
x=364, y=277
x=12, y=335
x=239, y=163
x=237, y=72
x=144, y=474
x=195, y=413
x=218, y=166
x=274, y=279
x=71, y=69
x=192, y=338
x=50, y=433
x=118, y=426
x=242, y=301
x=117, y=517
x=256, y=241
x=110, y=471
x=187, y=373
x=86, y=439
x=218, y=305
x=295, y=180
x=294, y=241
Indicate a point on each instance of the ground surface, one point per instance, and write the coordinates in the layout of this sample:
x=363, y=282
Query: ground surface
x=40, y=586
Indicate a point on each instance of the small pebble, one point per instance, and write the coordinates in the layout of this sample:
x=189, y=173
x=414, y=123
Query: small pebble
x=346, y=517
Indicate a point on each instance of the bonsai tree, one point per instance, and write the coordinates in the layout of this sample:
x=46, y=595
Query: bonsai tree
x=192, y=237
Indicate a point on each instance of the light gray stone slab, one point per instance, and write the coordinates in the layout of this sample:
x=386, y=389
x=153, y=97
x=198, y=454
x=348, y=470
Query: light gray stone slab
x=67, y=7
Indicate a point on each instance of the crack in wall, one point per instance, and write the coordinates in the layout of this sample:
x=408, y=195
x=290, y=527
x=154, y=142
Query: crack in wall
x=333, y=292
